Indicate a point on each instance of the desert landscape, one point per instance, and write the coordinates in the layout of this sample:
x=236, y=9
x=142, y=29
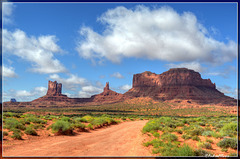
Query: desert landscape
x=176, y=113
x=124, y=79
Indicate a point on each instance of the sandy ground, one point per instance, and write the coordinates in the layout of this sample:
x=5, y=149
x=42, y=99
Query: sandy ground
x=124, y=139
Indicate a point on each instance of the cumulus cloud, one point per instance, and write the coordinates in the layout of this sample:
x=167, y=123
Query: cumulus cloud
x=125, y=87
x=117, y=75
x=37, y=50
x=70, y=83
x=196, y=66
x=159, y=33
x=88, y=91
x=7, y=10
x=8, y=72
x=24, y=95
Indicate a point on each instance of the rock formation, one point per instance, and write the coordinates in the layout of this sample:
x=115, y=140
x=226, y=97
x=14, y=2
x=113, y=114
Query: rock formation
x=108, y=95
x=177, y=83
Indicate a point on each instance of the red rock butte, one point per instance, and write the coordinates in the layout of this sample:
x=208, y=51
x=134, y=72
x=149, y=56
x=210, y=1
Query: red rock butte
x=174, y=84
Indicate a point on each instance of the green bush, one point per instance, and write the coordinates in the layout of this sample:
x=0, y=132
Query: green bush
x=90, y=126
x=152, y=125
x=196, y=138
x=61, y=127
x=179, y=131
x=169, y=137
x=186, y=137
x=5, y=133
x=12, y=123
x=17, y=134
x=88, y=118
x=224, y=149
x=156, y=134
x=207, y=133
x=228, y=142
x=34, y=120
x=185, y=150
x=64, y=118
x=209, y=140
x=30, y=131
x=80, y=126
x=205, y=145
x=232, y=154
x=229, y=129
x=201, y=152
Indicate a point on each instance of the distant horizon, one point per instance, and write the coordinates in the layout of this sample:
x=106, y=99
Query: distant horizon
x=84, y=45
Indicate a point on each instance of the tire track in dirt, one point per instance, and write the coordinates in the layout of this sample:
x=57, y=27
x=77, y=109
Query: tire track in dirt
x=124, y=139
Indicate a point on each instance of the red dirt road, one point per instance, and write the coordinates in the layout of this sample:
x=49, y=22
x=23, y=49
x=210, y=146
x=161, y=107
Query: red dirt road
x=124, y=139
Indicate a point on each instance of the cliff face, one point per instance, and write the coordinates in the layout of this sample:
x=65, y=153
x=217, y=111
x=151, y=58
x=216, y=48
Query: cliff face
x=177, y=83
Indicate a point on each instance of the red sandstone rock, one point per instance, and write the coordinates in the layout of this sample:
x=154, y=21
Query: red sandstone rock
x=177, y=83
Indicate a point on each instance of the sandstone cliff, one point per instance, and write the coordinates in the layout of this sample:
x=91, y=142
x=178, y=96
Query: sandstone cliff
x=177, y=83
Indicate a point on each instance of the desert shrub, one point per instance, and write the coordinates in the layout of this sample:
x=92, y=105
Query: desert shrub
x=219, y=126
x=64, y=118
x=224, y=149
x=62, y=127
x=179, y=131
x=209, y=140
x=195, y=132
x=76, y=120
x=156, y=134
x=229, y=129
x=152, y=125
x=90, y=126
x=5, y=133
x=207, y=133
x=34, y=120
x=185, y=150
x=228, y=142
x=205, y=145
x=17, y=134
x=169, y=137
x=201, y=152
x=184, y=121
x=12, y=123
x=155, y=143
x=202, y=124
x=30, y=131
x=170, y=125
x=232, y=154
x=88, y=118
x=186, y=137
x=80, y=126
x=196, y=138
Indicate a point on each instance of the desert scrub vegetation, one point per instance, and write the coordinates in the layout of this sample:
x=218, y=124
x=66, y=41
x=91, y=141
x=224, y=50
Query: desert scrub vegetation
x=61, y=127
x=193, y=129
x=228, y=142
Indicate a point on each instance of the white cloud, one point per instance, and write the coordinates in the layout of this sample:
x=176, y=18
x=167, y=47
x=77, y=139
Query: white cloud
x=159, y=33
x=117, y=75
x=7, y=10
x=88, y=91
x=39, y=51
x=125, y=87
x=71, y=82
x=8, y=72
x=24, y=95
x=190, y=65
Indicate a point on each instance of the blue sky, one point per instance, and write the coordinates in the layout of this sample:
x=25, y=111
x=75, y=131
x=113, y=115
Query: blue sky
x=84, y=45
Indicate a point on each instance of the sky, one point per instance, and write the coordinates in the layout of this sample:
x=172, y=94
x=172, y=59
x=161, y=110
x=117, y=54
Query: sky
x=85, y=45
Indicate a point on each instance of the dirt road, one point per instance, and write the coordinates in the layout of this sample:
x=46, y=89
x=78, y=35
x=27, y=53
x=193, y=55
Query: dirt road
x=124, y=139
